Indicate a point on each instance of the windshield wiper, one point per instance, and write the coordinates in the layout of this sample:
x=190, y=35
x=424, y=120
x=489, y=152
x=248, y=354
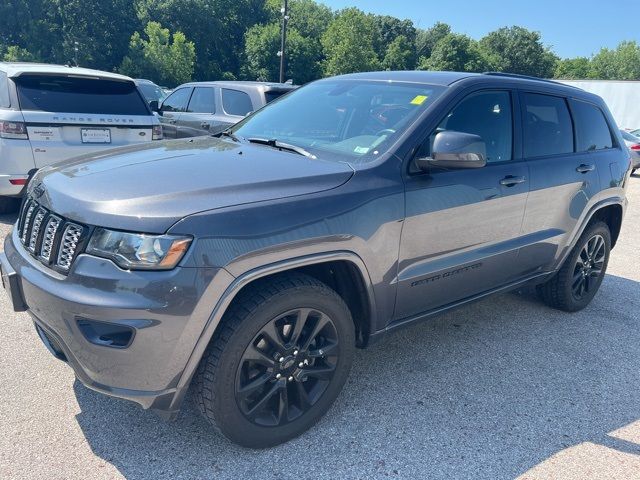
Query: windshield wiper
x=281, y=145
x=227, y=133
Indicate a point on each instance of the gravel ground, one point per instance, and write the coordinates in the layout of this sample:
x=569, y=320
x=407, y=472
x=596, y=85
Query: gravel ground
x=504, y=388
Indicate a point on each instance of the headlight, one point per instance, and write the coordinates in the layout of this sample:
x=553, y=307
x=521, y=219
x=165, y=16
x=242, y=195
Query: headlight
x=133, y=251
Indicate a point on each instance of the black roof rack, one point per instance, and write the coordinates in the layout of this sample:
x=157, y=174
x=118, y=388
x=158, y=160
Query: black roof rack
x=526, y=77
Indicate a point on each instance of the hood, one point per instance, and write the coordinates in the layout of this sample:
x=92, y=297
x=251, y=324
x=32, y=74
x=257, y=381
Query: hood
x=149, y=188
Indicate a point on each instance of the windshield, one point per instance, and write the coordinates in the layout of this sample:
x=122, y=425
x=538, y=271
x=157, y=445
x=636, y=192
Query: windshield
x=151, y=92
x=79, y=95
x=341, y=118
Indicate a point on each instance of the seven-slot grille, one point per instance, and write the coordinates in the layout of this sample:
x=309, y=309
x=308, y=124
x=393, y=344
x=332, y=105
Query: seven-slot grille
x=50, y=238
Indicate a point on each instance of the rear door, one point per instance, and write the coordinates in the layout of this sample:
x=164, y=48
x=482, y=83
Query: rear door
x=460, y=234
x=199, y=115
x=70, y=115
x=563, y=174
x=172, y=108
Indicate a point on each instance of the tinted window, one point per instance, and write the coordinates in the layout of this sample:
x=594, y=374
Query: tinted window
x=79, y=95
x=177, y=101
x=235, y=102
x=547, y=126
x=271, y=95
x=202, y=100
x=488, y=115
x=592, y=130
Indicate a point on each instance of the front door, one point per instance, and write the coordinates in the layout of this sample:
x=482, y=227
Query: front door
x=460, y=234
x=172, y=108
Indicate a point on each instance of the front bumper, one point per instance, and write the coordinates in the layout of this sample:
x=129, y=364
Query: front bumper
x=168, y=311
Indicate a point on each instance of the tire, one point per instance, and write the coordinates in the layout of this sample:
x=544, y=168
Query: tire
x=563, y=290
x=269, y=332
x=9, y=205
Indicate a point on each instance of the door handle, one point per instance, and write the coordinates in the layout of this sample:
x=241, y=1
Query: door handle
x=205, y=125
x=172, y=121
x=510, y=181
x=584, y=168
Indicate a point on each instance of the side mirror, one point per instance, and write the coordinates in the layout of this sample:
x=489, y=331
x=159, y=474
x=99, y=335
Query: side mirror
x=155, y=107
x=453, y=149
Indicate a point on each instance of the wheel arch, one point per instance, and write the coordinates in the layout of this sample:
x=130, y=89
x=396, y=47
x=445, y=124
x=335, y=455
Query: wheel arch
x=331, y=268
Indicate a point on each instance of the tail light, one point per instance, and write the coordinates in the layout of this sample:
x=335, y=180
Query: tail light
x=157, y=132
x=635, y=147
x=15, y=130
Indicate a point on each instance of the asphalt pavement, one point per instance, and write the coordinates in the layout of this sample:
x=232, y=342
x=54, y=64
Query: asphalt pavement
x=505, y=388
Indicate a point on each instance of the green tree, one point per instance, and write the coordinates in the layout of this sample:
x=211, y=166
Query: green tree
x=455, y=53
x=518, y=50
x=400, y=55
x=262, y=42
x=348, y=43
x=308, y=17
x=217, y=28
x=388, y=29
x=14, y=53
x=101, y=28
x=165, y=58
x=573, y=68
x=426, y=40
x=623, y=63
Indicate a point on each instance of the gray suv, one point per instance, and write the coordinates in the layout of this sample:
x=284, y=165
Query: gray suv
x=249, y=266
x=201, y=108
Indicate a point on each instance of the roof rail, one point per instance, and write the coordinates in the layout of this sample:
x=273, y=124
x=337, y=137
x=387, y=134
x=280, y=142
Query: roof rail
x=526, y=77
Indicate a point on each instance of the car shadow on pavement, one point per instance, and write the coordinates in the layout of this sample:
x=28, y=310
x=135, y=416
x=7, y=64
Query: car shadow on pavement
x=490, y=390
x=8, y=219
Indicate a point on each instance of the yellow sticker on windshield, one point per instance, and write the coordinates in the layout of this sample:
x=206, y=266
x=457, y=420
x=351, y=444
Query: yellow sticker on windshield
x=419, y=99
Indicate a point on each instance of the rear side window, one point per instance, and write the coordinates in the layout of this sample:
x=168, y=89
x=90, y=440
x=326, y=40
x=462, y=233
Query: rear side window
x=592, y=129
x=235, y=102
x=177, y=101
x=49, y=93
x=4, y=91
x=202, y=100
x=547, y=126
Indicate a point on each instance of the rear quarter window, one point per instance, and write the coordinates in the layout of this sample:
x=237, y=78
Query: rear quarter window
x=4, y=91
x=79, y=95
x=592, y=129
x=235, y=102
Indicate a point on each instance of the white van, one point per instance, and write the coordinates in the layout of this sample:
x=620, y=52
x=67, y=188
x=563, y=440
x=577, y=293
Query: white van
x=49, y=113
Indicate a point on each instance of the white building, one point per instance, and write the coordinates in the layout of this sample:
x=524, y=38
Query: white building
x=622, y=97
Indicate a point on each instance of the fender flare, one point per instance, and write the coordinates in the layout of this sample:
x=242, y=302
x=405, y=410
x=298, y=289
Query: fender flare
x=242, y=281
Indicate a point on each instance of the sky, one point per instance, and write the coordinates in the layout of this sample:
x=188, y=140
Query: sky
x=571, y=27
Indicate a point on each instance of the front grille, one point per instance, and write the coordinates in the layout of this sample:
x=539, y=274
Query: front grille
x=50, y=238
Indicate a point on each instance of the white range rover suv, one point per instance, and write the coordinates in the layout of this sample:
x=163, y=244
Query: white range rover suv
x=49, y=113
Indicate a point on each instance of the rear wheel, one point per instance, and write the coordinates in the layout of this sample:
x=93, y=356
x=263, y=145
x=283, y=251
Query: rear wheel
x=279, y=361
x=9, y=204
x=576, y=283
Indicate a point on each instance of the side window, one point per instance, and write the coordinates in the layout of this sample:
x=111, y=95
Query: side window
x=4, y=91
x=177, y=101
x=547, y=126
x=486, y=114
x=592, y=129
x=202, y=100
x=235, y=102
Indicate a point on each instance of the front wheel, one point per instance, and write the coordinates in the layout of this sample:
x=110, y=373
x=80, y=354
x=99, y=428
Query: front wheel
x=279, y=360
x=576, y=283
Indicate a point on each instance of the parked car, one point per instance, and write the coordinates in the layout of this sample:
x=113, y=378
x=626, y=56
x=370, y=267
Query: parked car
x=49, y=113
x=201, y=108
x=151, y=92
x=249, y=266
x=635, y=133
x=633, y=143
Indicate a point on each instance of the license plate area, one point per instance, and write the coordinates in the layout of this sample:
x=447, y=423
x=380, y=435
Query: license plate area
x=95, y=135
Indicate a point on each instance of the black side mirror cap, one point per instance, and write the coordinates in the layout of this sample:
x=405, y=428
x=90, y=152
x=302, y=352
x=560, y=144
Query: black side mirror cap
x=155, y=107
